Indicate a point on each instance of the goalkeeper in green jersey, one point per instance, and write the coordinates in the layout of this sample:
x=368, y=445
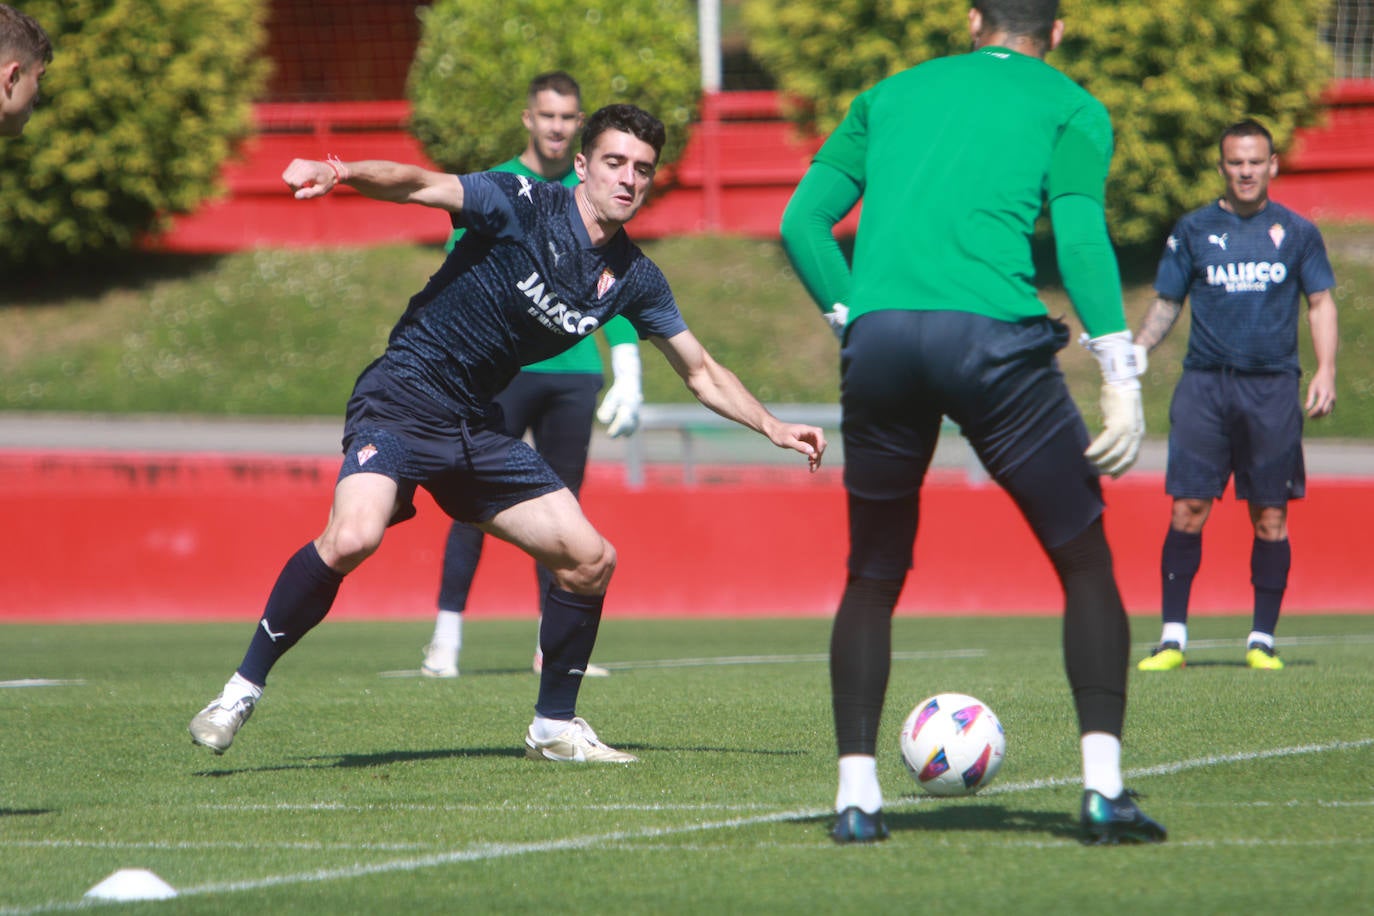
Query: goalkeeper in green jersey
x=955, y=159
x=554, y=400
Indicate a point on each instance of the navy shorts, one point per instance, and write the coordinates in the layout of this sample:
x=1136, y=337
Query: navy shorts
x=473, y=468
x=558, y=409
x=902, y=371
x=1248, y=424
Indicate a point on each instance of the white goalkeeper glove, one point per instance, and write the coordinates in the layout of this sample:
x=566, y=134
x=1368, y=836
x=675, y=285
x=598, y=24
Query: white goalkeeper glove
x=619, y=409
x=837, y=318
x=1123, y=421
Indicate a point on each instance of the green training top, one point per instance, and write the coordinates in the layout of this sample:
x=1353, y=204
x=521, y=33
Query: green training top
x=955, y=159
x=582, y=356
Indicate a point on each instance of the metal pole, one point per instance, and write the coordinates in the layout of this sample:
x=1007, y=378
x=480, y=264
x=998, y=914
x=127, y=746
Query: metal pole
x=708, y=24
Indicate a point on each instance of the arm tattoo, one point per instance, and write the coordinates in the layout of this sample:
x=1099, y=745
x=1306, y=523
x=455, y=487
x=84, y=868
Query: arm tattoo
x=1159, y=321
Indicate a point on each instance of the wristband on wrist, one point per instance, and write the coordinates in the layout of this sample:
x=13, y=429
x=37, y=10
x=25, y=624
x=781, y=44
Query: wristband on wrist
x=339, y=169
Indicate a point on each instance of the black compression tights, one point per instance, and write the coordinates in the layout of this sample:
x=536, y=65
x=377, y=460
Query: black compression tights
x=1097, y=633
x=860, y=659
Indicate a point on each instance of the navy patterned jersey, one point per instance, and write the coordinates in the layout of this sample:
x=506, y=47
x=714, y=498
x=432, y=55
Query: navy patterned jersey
x=1242, y=277
x=524, y=283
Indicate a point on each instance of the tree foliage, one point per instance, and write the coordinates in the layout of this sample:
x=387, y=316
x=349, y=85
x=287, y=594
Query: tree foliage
x=1173, y=74
x=141, y=105
x=476, y=58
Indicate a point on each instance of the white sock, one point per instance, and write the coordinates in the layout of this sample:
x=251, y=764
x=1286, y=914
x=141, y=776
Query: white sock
x=543, y=729
x=1264, y=639
x=240, y=687
x=448, y=630
x=1175, y=632
x=1102, y=763
x=859, y=784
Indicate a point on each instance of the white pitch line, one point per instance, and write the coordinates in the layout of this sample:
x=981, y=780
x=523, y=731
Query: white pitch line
x=727, y=660
x=43, y=682
x=488, y=851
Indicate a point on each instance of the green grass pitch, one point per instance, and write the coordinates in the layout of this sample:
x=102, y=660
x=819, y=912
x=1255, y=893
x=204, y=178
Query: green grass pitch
x=358, y=788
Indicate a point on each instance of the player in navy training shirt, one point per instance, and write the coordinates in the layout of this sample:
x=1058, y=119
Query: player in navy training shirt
x=540, y=267
x=1243, y=263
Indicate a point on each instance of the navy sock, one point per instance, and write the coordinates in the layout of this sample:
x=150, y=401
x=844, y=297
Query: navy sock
x=303, y=594
x=567, y=635
x=860, y=661
x=1179, y=563
x=1269, y=565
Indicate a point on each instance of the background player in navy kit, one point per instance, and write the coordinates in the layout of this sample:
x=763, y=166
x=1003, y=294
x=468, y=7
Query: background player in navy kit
x=1242, y=262
x=540, y=266
x=555, y=400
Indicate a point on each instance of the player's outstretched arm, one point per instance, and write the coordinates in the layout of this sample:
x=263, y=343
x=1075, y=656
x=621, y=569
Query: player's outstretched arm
x=719, y=389
x=379, y=179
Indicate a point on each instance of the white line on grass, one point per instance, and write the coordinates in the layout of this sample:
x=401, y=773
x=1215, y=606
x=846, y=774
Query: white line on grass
x=721, y=661
x=488, y=851
x=43, y=682
x=727, y=660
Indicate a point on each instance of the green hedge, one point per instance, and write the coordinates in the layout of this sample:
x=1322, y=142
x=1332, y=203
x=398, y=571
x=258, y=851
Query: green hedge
x=476, y=58
x=141, y=105
x=1173, y=73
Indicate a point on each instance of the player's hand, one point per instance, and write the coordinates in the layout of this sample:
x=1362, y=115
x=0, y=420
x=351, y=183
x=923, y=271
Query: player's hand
x=309, y=178
x=1118, y=356
x=809, y=440
x=1122, y=362
x=619, y=409
x=1321, y=395
x=837, y=318
x=1123, y=427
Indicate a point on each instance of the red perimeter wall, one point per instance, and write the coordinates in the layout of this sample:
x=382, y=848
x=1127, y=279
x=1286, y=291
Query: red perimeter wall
x=736, y=175
x=174, y=537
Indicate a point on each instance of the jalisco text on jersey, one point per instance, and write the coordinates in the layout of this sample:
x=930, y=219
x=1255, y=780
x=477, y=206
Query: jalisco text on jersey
x=1247, y=275
x=553, y=313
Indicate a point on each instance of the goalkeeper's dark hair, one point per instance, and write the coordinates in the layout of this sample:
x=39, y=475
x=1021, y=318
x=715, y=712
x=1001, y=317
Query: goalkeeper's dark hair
x=631, y=119
x=560, y=81
x=22, y=38
x=1247, y=128
x=1033, y=19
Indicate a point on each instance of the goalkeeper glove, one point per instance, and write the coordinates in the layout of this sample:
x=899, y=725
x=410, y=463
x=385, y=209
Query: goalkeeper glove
x=837, y=318
x=1122, y=362
x=619, y=409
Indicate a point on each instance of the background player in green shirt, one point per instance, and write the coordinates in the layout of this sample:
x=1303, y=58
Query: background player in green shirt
x=554, y=399
x=955, y=159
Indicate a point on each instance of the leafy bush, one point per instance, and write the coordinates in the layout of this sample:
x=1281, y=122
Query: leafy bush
x=141, y=105
x=1173, y=73
x=476, y=58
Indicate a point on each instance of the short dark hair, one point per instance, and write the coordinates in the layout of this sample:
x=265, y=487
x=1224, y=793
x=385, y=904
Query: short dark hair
x=22, y=38
x=559, y=81
x=1246, y=128
x=628, y=118
x=1032, y=19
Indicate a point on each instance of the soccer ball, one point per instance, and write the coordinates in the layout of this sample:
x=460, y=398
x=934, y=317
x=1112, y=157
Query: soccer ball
x=952, y=744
